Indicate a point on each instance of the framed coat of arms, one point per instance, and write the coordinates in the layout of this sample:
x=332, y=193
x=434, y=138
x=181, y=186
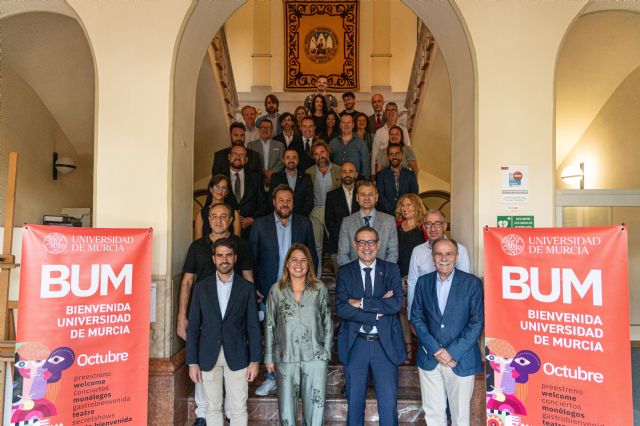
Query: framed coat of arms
x=321, y=38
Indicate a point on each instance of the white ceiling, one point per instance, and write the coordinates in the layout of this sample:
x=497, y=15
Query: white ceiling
x=599, y=52
x=51, y=53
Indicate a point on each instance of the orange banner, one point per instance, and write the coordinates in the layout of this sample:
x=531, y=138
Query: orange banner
x=82, y=351
x=557, y=326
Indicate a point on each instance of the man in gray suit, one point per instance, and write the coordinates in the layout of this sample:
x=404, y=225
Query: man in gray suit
x=383, y=223
x=270, y=151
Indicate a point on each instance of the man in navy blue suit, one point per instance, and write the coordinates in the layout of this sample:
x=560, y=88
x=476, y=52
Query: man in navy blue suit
x=394, y=181
x=448, y=314
x=368, y=299
x=270, y=239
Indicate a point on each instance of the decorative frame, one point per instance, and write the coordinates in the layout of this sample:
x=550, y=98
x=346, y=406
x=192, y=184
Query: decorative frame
x=321, y=38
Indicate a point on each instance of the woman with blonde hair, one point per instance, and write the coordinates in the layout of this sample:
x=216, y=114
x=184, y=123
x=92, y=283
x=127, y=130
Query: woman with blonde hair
x=298, y=338
x=409, y=214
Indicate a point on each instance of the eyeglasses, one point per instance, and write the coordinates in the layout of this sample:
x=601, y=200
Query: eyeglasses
x=363, y=243
x=436, y=225
x=220, y=188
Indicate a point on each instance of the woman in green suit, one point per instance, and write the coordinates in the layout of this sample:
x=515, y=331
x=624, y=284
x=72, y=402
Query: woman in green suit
x=298, y=338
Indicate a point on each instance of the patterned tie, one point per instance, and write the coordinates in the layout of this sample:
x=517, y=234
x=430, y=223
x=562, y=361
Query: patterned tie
x=368, y=292
x=307, y=145
x=378, y=120
x=236, y=188
x=366, y=222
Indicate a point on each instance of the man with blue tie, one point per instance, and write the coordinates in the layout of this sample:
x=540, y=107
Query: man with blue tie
x=368, y=299
x=448, y=314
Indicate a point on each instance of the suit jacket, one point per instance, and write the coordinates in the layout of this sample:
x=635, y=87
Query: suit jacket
x=372, y=126
x=383, y=223
x=276, y=151
x=253, y=203
x=335, y=210
x=302, y=193
x=386, y=184
x=457, y=330
x=336, y=170
x=263, y=241
x=221, y=162
x=238, y=332
x=349, y=285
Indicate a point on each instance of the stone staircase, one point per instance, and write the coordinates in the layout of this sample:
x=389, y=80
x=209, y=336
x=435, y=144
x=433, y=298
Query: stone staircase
x=264, y=410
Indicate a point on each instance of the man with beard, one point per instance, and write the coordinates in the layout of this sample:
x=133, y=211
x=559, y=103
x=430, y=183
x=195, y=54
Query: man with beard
x=394, y=181
x=381, y=138
x=348, y=147
x=341, y=202
x=321, y=89
x=199, y=265
x=271, y=236
x=221, y=161
x=448, y=315
x=349, y=101
x=271, y=104
x=287, y=136
x=296, y=180
x=325, y=176
x=246, y=195
x=421, y=259
x=384, y=224
x=223, y=338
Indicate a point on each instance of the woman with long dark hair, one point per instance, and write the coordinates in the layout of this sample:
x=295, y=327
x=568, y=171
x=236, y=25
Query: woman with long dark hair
x=360, y=129
x=332, y=127
x=298, y=338
x=318, y=112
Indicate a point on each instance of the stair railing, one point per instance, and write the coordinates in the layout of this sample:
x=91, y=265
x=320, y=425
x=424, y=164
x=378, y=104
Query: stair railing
x=220, y=61
x=425, y=52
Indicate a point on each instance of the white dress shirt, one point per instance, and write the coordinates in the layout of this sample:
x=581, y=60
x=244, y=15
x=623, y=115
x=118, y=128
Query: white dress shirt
x=374, y=330
x=348, y=194
x=224, y=292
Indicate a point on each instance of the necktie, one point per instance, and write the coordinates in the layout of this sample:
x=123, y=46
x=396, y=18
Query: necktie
x=366, y=222
x=368, y=292
x=236, y=188
x=378, y=120
x=307, y=145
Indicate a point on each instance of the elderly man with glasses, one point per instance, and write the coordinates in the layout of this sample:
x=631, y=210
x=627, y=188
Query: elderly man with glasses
x=422, y=260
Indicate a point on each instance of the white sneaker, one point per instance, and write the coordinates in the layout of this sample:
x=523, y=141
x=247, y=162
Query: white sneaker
x=266, y=387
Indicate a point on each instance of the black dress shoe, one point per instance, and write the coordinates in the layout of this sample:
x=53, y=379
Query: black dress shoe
x=200, y=422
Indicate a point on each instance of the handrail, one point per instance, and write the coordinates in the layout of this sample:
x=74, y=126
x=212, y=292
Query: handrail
x=425, y=51
x=221, y=66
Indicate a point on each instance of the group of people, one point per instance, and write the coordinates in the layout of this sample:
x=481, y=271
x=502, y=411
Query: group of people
x=289, y=188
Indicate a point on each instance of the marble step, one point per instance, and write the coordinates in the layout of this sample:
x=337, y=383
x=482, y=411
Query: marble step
x=264, y=410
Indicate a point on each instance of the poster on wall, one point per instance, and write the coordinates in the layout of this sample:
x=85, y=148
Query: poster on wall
x=514, y=184
x=322, y=40
x=82, y=345
x=557, y=326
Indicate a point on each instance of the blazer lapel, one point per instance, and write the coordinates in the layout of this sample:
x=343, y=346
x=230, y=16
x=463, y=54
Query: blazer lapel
x=434, y=297
x=214, y=297
x=378, y=282
x=453, y=295
x=232, y=297
x=356, y=282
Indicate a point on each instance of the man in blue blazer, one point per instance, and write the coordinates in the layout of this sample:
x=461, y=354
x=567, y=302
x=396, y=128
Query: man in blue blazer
x=270, y=238
x=223, y=336
x=448, y=314
x=368, y=299
x=388, y=191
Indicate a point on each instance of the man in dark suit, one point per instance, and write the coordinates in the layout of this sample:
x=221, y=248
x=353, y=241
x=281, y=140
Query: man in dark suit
x=341, y=202
x=308, y=130
x=223, y=337
x=287, y=136
x=221, y=162
x=368, y=299
x=377, y=119
x=296, y=180
x=394, y=181
x=246, y=195
x=271, y=236
x=447, y=315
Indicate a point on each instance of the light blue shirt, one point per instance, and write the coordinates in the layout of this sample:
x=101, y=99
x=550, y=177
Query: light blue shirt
x=224, y=292
x=291, y=179
x=372, y=273
x=442, y=289
x=284, y=241
x=321, y=186
x=372, y=217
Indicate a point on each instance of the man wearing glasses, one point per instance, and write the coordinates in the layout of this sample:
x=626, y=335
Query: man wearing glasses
x=368, y=299
x=422, y=260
